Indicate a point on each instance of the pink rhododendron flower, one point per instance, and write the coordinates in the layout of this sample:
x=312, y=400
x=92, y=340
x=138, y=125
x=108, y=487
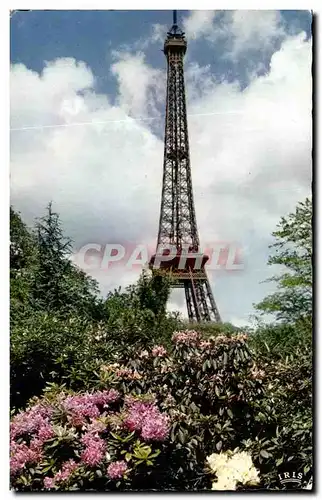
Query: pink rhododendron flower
x=136, y=414
x=45, y=432
x=155, y=427
x=188, y=337
x=63, y=475
x=96, y=426
x=95, y=447
x=80, y=407
x=147, y=418
x=104, y=397
x=30, y=421
x=21, y=455
x=35, y=423
x=128, y=374
x=159, y=350
x=49, y=483
x=67, y=469
x=116, y=470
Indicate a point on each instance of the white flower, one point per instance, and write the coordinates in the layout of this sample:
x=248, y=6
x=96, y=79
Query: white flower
x=232, y=468
x=217, y=460
x=224, y=484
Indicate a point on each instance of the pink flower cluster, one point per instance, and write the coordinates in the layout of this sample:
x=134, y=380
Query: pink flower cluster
x=31, y=421
x=96, y=426
x=188, y=337
x=104, y=397
x=86, y=405
x=159, y=351
x=21, y=455
x=31, y=429
x=147, y=419
x=193, y=338
x=224, y=339
x=95, y=447
x=128, y=374
x=33, y=424
x=116, y=470
x=62, y=476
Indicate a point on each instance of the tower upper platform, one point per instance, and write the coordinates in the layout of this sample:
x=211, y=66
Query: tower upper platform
x=175, y=44
x=175, y=41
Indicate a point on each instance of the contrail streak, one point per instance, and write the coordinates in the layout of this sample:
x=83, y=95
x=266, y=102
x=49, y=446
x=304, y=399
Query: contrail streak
x=129, y=120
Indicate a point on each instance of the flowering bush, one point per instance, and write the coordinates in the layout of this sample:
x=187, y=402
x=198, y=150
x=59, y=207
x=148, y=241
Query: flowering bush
x=177, y=408
x=85, y=441
x=221, y=395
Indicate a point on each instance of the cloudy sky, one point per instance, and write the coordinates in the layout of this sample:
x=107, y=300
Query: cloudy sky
x=87, y=122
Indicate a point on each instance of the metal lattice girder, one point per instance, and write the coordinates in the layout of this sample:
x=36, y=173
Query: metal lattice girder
x=177, y=224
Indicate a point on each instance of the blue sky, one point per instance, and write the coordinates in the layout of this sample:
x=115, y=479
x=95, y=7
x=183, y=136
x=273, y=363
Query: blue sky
x=91, y=36
x=248, y=79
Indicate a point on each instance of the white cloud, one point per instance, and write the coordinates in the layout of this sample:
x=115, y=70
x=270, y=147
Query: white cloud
x=250, y=156
x=199, y=23
x=139, y=84
x=254, y=29
x=240, y=31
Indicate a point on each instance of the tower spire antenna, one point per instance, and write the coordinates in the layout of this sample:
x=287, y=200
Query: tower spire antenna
x=174, y=18
x=175, y=30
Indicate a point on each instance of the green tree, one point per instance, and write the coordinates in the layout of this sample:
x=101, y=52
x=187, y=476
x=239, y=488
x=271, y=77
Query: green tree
x=59, y=284
x=22, y=244
x=153, y=293
x=292, y=302
x=23, y=261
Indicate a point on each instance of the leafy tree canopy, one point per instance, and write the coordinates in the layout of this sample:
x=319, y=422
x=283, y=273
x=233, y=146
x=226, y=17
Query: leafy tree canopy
x=292, y=302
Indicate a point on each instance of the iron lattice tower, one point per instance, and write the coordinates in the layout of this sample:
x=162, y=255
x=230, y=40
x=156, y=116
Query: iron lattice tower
x=177, y=224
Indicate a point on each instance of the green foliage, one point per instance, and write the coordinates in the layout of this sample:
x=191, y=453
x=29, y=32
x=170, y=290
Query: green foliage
x=137, y=314
x=293, y=250
x=35, y=346
x=59, y=326
x=60, y=285
x=23, y=260
x=43, y=278
x=285, y=413
x=219, y=396
x=281, y=340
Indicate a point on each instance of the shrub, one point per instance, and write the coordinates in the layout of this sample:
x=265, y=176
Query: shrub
x=45, y=347
x=223, y=396
x=218, y=396
x=90, y=441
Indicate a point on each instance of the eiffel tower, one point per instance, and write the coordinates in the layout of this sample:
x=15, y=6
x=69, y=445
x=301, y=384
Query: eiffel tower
x=178, y=254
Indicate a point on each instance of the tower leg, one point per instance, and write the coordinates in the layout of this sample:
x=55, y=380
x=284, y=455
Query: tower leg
x=201, y=305
x=190, y=307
